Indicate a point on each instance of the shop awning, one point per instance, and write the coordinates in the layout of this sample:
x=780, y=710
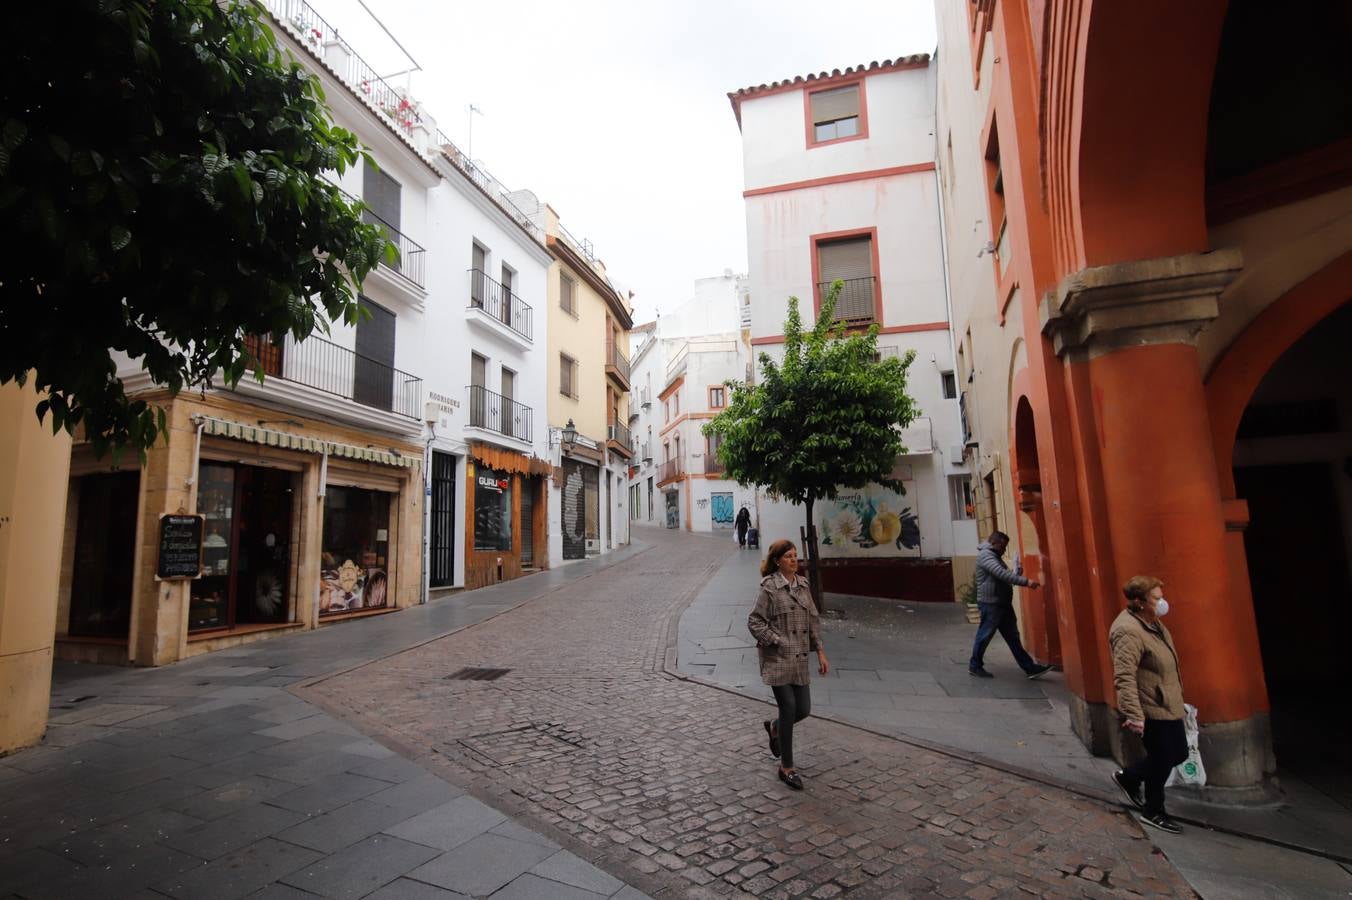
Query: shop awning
x=256, y=434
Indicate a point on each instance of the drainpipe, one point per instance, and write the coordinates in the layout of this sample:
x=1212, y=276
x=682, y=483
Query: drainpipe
x=191, y=483
x=427, y=518
x=323, y=487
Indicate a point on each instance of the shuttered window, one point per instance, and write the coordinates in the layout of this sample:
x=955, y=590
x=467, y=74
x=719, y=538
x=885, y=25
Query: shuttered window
x=851, y=262
x=382, y=194
x=835, y=113
x=567, y=376
x=567, y=295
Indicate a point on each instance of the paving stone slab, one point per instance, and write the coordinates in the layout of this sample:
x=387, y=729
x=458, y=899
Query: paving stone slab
x=332, y=831
x=417, y=795
x=239, y=874
x=240, y=829
x=481, y=866
x=331, y=793
x=533, y=887
x=408, y=889
x=449, y=825
x=361, y=868
x=569, y=869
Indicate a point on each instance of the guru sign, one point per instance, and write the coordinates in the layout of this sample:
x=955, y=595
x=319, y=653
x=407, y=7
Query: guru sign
x=493, y=484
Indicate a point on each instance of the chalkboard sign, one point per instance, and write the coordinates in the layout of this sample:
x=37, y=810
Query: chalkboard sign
x=180, y=547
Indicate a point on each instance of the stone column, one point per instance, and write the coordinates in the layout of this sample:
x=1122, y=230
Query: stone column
x=34, y=475
x=1134, y=326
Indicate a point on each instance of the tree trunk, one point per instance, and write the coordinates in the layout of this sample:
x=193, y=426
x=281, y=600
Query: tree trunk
x=814, y=560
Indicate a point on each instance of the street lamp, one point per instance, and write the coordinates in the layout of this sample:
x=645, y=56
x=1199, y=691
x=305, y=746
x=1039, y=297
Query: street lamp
x=569, y=434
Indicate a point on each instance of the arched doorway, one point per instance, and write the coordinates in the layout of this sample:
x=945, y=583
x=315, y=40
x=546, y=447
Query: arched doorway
x=1041, y=625
x=1292, y=465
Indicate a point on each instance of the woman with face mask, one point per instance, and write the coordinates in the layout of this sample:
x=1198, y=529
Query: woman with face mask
x=1149, y=697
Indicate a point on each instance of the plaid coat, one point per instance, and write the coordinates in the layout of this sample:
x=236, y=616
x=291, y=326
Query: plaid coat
x=786, y=628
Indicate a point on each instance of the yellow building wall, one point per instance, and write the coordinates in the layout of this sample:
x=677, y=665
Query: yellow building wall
x=34, y=466
x=581, y=337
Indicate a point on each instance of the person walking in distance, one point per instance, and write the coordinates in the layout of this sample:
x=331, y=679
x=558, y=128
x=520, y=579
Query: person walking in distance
x=787, y=628
x=995, y=598
x=742, y=523
x=1149, y=697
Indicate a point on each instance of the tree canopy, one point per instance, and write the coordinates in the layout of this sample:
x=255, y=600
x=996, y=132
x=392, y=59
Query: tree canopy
x=828, y=416
x=162, y=182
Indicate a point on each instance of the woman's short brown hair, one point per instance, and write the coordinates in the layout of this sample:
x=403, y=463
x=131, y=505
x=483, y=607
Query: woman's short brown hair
x=771, y=561
x=1138, y=589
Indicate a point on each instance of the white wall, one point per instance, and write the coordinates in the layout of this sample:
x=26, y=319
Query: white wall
x=900, y=119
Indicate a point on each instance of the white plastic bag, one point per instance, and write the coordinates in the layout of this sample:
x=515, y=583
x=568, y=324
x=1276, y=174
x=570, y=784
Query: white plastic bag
x=1190, y=771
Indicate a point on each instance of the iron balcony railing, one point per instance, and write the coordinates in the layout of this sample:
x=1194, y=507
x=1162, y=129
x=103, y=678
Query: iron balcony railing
x=616, y=359
x=856, y=303
x=412, y=257
x=711, y=464
x=499, y=302
x=498, y=413
x=620, y=435
x=647, y=452
x=670, y=470
x=962, y=416
x=323, y=40
x=327, y=367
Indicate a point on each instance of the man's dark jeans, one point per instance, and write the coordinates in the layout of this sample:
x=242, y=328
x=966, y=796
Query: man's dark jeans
x=996, y=617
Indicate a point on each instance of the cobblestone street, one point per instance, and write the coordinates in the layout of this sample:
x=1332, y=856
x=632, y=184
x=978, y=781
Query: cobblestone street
x=667, y=784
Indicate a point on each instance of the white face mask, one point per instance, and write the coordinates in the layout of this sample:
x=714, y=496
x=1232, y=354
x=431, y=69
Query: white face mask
x=1161, y=607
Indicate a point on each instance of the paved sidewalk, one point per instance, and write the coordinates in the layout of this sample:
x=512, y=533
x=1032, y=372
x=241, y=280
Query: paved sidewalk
x=901, y=669
x=668, y=782
x=210, y=779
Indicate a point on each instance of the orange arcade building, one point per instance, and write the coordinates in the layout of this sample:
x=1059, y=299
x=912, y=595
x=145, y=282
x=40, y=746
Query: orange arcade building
x=1148, y=221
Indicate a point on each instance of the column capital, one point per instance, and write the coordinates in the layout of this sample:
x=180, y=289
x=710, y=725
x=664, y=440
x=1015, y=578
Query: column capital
x=1168, y=300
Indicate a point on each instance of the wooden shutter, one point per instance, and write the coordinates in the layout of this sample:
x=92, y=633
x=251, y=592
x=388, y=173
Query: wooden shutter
x=838, y=103
x=566, y=293
x=382, y=195
x=851, y=261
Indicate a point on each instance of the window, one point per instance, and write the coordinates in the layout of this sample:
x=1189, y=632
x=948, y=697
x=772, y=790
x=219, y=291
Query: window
x=950, y=385
x=567, y=376
x=676, y=402
x=850, y=261
x=492, y=510
x=961, y=502
x=717, y=397
x=381, y=194
x=836, y=113
x=567, y=295
x=712, y=443
x=478, y=281
x=355, y=549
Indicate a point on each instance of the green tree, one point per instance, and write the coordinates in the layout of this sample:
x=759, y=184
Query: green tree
x=161, y=181
x=827, y=417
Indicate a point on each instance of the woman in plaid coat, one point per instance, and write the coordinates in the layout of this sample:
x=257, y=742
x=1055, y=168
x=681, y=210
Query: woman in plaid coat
x=786, y=628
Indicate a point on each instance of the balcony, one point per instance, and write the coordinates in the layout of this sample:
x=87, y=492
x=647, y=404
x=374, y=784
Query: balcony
x=646, y=397
x=670, y=470
x=857, y=303
x=412, y=261
x=646, y=454
x=962, y=416
x=619, y=440
x=617, y=365
x=499, y=414
x=322, y=366
x=711, y=464
x=501, y=305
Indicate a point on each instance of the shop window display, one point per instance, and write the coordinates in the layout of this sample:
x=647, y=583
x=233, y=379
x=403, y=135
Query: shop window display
x=355, y=563
x=492, y=510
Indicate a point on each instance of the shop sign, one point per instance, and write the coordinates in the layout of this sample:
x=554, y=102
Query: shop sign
x=180, y=547
x=493, y=484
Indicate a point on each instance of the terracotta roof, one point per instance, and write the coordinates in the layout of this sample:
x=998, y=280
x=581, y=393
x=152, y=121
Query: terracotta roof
x=645, y=326
x=874, y=68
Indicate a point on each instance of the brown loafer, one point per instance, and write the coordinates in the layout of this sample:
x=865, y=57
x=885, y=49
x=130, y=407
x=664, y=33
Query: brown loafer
x=791, y=779
x=774, y=738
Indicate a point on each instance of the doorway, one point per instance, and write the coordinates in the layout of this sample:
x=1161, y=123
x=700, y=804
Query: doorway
x=105, y=549
x=1293, y=467
x=441, y=547
x=720, y=510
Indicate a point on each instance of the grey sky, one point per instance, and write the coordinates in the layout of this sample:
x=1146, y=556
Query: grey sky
x=616, y=112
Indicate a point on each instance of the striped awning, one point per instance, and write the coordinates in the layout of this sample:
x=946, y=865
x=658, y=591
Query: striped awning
x=256, y=434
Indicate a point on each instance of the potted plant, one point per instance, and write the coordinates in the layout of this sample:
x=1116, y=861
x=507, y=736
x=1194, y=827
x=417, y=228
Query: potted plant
x=967, y=594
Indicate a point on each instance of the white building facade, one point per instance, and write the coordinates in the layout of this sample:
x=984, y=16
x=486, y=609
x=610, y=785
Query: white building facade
x=840, y=184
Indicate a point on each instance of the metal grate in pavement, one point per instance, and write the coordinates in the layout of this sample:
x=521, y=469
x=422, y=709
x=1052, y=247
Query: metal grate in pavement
x=477, y=673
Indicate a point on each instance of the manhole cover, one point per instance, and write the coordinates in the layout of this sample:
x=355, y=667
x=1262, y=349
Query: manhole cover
x=475, y=673
x=536, y=742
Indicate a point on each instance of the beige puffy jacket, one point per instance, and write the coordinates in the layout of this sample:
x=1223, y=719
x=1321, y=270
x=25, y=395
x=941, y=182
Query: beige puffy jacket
x=1145, y=669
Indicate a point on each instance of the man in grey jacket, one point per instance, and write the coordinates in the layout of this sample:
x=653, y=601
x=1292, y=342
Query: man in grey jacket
x=995, y=598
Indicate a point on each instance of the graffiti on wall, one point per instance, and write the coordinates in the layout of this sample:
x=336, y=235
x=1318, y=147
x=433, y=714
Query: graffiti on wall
x=870, y=521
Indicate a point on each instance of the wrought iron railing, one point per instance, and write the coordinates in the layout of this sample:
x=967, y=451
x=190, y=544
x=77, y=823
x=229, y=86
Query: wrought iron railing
x=499, y=302
x=616, y=359
x=620, y=435
x=711, y=464
x=962, y=417
x=323, y=40
x=325, y=366
x=647, y=453
x=490, y=185
x=498, y=413
x=581, y=246
x=670, y=470
x=412, y=258
x=856, y=302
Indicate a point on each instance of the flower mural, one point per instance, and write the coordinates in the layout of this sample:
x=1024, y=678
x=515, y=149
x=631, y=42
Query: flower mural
x=872, y=521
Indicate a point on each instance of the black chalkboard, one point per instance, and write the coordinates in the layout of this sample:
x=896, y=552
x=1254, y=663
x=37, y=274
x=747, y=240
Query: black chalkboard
x=180, y=547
